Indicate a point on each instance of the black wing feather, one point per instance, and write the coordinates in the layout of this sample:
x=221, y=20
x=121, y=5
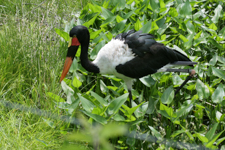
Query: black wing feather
x=150, y=62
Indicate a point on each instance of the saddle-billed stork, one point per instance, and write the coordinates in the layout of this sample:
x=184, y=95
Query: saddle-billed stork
x=129, y=55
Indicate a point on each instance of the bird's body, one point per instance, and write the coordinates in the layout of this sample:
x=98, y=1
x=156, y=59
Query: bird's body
x=129, y=55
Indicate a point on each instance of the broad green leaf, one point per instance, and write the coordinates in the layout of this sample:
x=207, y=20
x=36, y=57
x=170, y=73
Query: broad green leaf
x=173, y=12
x=202, y=90
x=141, y=109
x=127, y=15
x=96, y=117
x=121, y=4
x=168, y=95
x=218, y=116
x=201, y=137
x=155, y=5
x=190, y=27
x=66, y=88
x=130, y=111
x=214, y=139
x=183, y=111
x=107, y=132
x=177, y=80
x=63, y=34
x=183, y=38
x=213, y=61
x=137, y=25
x=220, y=140
x=217, y=96
x=219, y=73
x=155, y=132
x=209, y=135
x=177, y=133
x=119, y=19
x=147, y=27
x=99, y=98
x=168, y=110
x=184, y=9
x=108, y=20
x=76, y=83
x=119, y=27
x=87, y=105
x=55, y=97
x=217, y=13
x=95, y=34
x=118, y=117
x=115, y=105
x=90, y=22
x=213, y=26
x=151, y=105
x=147, y=80
x=106, y=13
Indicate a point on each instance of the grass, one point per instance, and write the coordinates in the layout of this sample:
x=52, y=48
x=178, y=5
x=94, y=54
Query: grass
x=31, y=60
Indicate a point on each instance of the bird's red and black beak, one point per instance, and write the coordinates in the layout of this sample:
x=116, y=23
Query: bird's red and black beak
x=72, y=49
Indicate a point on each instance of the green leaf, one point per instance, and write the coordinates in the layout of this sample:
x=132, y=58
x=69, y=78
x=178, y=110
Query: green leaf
x=183, y=38
x=129, y=14
x=213, y=26
x=214, y=139
x=95, y=34
x=62, y=34
x=155, y=5
x=184, y=9
x=91, y=22
x=55, y=97
x=217, y=96
x=141, y=109
x=209, y=135
x=87, y=105
x=177, y=80
x=147, y=80
x=151, y=105
x=177, y=133
x=119, y=19
x=202, y=90
x=76, y=83
x=168, y=95
x=155, y=132
x=147, y=27
x=115, y=105
x=68, y=90
x=99, y=98
x=96, y=117
x=118, y=130
x=137, y=25
x=219, y=73
x=190, y=27
x=106, y=13
x=168, y=110
x=108, y=20
x=201, y=137
x=217, y=13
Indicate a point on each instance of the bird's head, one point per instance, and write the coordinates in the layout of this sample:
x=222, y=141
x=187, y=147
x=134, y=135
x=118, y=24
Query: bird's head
x=79, y=35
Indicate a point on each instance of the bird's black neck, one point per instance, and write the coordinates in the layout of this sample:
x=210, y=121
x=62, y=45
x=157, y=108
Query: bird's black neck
x=85, y=62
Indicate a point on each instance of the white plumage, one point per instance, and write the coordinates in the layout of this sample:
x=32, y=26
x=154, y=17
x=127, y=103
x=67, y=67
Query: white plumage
x=111, y=55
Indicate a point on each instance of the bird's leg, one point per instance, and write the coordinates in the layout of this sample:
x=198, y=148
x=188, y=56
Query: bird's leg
x=130, y=97
x=191, y=74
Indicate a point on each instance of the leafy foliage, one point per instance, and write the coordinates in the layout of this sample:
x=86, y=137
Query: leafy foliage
x=196, y=28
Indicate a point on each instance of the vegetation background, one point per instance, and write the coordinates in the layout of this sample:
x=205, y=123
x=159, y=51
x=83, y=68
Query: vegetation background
x=33, y=37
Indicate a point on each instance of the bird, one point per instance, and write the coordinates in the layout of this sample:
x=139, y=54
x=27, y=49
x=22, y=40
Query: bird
x=130, y=55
